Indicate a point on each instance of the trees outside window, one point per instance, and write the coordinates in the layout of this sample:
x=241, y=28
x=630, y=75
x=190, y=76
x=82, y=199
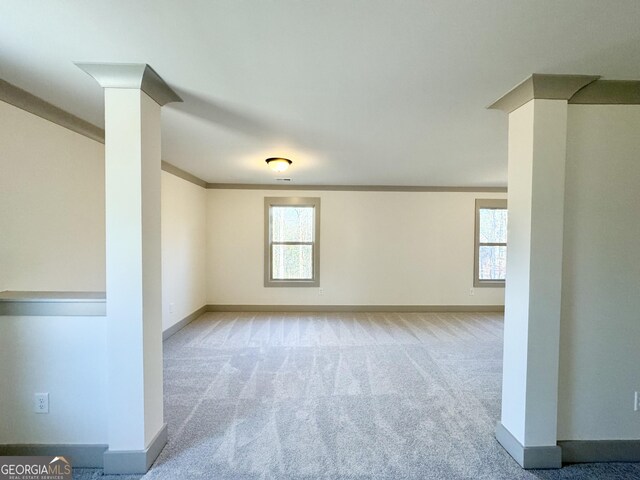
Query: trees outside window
x=292, y=226
x=490, y=265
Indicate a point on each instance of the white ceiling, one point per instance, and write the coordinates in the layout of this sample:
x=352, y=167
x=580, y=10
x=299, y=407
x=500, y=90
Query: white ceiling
x=354, y=92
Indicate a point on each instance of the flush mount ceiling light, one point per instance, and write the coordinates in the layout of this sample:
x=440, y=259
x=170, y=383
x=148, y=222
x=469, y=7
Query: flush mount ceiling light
x=278, y=164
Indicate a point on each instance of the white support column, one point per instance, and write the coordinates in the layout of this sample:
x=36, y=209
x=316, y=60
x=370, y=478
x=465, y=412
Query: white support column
x=537, y=154
x=133, y=97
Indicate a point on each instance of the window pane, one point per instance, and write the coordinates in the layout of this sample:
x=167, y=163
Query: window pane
x=493, y=263
x=493, y=225
x=292, y=262
x=292, y=224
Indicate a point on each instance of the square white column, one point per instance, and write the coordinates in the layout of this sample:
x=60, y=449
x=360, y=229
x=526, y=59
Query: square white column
x=537, y=153
x=133, y=94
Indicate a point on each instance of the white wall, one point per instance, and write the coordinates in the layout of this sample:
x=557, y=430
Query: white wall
x=64, y=356
x=51, y=206
x=514, y=378
x=377, y=248
x=600, y=330
x=537, y=152
x=183, y=247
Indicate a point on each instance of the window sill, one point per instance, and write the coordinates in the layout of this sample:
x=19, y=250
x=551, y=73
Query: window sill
x=489, y=284
x=292, y=283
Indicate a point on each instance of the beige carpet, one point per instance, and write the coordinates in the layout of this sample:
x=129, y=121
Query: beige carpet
x=340, y=396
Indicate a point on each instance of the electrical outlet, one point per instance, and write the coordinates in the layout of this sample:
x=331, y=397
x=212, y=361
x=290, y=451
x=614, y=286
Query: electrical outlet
x=472, y=292
x=171, y=307
x=321, y=291
x=41, y=403
x=636, y=402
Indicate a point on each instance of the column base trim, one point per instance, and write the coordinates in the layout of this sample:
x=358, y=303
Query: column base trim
x=591, y=451
x=80, y=455
x=118, y=462
x=529, y=457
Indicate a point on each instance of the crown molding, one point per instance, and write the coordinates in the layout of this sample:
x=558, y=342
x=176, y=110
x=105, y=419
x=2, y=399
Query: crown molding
x=542, y=86
x=178, y=172
x=131, y=75
x=354, y=188
x=28, y=102
x=608, y=92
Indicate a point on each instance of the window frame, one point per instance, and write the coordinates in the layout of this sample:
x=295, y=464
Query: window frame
x=268, y=245
x=484, y=204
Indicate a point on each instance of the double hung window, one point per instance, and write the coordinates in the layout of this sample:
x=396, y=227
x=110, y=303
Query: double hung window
x=490, y=243
x=292, y=246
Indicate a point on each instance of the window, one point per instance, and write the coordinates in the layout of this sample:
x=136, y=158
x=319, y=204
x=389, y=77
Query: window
x=491, y=243
x=292, y=242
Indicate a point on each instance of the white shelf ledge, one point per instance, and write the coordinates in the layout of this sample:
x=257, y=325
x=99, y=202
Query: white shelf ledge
x=55, y=304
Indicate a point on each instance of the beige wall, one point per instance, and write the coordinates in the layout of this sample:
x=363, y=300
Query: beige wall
x=600, y=329
x=51, y=238
x=52, y=213
x=183, y=247
x=51, y=206
x=377, y=248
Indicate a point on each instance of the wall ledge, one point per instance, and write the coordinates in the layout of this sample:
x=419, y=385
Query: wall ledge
x=54, y=304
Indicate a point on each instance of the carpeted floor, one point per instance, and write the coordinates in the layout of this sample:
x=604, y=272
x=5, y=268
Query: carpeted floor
x=339, y=396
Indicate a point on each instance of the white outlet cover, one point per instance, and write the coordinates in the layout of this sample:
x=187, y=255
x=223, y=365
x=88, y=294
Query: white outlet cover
x=41, y=403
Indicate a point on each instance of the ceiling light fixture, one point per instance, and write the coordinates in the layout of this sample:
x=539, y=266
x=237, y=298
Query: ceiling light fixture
x=278, y=164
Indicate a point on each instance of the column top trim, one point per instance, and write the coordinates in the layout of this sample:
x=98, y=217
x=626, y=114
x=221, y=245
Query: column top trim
x=608, y=92
x=131, y=75
x=542, y=86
